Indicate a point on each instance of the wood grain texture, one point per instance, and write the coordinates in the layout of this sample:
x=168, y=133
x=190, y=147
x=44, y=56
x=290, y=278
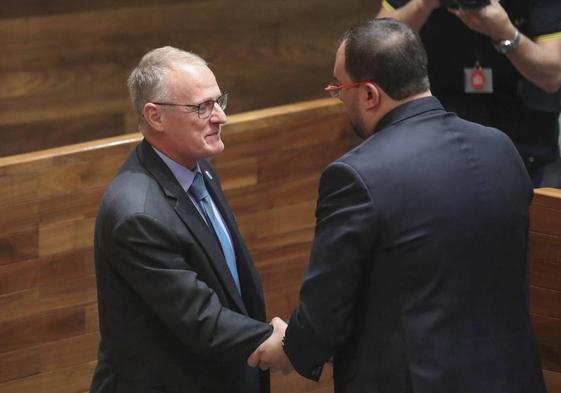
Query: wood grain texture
x=65, y=63
x=17, y=8
x=65, y=130
x=552, y=381
x=545, y=281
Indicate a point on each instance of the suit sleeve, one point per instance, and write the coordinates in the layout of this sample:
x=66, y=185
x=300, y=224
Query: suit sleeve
x=145, y=254
x=342, y=249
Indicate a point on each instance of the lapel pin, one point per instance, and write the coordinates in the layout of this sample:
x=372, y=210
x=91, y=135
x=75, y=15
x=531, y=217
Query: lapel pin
x=208, y=175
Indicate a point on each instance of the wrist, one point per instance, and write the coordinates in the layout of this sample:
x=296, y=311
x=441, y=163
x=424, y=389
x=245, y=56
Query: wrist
x=506, y=45
x=503, y=32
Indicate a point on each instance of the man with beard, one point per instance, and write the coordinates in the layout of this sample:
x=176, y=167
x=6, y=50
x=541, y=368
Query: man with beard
x=418, y=274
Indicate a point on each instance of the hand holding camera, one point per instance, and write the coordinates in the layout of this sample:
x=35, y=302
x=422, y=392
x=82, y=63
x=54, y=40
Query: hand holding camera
x=489, y=19
x=465, y=4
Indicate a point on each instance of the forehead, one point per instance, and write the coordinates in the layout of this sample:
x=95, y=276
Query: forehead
x=192, y=81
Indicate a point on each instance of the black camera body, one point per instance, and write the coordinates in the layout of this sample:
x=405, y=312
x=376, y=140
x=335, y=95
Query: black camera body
x=465, y=4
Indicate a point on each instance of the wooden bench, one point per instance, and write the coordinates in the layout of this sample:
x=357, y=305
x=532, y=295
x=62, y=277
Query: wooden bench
x=270, y=171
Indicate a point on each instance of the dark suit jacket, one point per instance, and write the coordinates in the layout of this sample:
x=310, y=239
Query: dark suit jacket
x=171, y=318
x=418, y=275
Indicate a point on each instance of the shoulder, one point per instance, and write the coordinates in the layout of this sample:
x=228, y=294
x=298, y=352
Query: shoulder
x=486, y=133
x=344, y=176
x=344, y=188
x=343, y=167
x=131, y=192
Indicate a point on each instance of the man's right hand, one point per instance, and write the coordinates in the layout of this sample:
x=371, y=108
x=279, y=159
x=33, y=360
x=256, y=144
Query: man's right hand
x=270, y=354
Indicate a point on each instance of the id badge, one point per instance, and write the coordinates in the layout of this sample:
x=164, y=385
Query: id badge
x=478, y=80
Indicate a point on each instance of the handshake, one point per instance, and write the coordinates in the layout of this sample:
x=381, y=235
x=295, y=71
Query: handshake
x=270, y=354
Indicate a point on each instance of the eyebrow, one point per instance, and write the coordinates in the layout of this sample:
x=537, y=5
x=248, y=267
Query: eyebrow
x=210, y=99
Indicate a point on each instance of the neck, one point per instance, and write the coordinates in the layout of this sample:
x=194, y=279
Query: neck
x=392, y=104
x=389, y=104
x=169, y=153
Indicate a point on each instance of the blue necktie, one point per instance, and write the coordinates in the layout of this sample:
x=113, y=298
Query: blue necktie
x=200, y=193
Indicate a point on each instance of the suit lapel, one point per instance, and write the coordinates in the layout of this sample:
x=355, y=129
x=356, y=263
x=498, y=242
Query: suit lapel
x=208, y=241
x=190, y=216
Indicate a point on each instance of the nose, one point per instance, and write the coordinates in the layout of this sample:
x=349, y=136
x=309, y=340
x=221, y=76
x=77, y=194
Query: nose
x=218, y=115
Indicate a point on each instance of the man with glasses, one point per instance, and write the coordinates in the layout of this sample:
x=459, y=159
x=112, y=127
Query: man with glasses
x=418, y=272
x=180, y=303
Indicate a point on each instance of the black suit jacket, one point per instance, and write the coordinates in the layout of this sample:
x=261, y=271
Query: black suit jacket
x=171, y=318
x=418, y=275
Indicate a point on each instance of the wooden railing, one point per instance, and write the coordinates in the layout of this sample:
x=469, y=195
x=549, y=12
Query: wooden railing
x=545, y=281
x=270, y=171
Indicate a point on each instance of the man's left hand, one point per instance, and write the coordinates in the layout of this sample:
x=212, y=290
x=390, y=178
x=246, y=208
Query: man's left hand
x=491, y=20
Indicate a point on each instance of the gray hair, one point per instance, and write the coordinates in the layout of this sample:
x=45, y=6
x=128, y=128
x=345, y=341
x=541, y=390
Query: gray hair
x=147, y=82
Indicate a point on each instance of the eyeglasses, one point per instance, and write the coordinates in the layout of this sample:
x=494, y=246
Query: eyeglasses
x=335, y=90
x=204, y=109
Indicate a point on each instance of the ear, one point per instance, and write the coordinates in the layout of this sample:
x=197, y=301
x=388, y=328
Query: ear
x=373, y=95
x=153, y=116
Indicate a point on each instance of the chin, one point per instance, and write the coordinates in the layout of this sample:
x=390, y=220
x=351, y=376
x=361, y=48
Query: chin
x=216, y=148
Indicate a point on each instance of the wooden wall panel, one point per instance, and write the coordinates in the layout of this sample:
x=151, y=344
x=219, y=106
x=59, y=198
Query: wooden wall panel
x=17, y=8
x=48, y=201
x=545, y=280
x=64, y=63
x=64, y=380
x=17, y=138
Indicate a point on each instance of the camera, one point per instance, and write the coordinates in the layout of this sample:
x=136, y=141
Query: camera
x=465, y=4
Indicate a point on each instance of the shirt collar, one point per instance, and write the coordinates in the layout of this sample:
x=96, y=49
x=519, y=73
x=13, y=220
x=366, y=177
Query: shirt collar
x=184, y=175
x=407, y=110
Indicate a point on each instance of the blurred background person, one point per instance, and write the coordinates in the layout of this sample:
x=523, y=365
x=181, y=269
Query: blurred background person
x=495, y=63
